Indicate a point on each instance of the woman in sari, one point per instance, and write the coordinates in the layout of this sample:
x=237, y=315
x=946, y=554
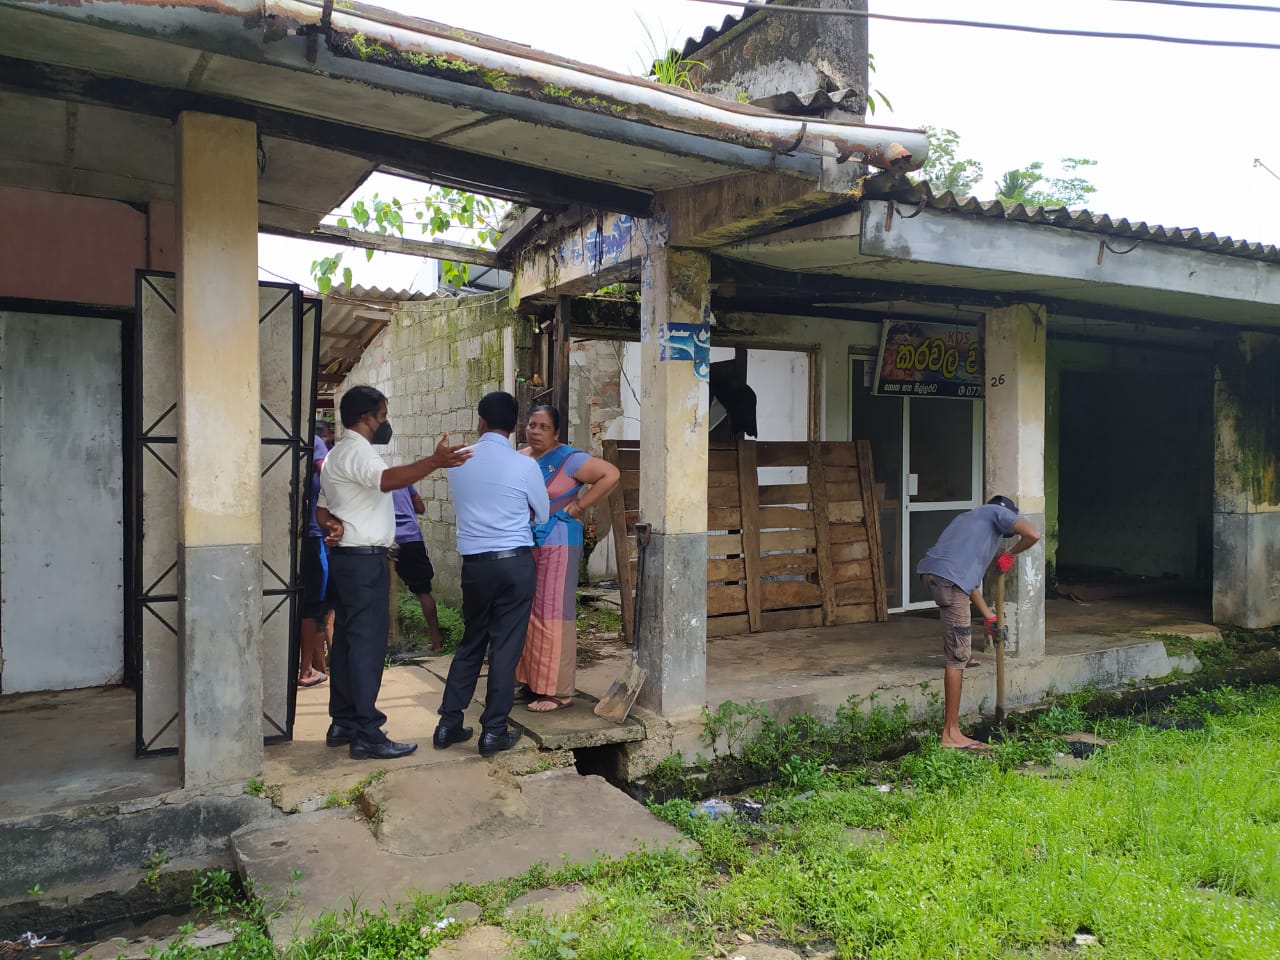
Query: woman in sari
x=545, y=675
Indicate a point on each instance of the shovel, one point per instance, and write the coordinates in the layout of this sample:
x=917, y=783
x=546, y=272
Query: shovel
x=1002, y=634
x=621, y=695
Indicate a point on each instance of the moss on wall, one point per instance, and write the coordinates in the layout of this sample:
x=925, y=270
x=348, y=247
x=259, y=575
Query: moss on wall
x=1249, y=383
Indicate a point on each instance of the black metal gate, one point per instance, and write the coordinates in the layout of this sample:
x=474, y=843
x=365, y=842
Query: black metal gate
x=289, y=335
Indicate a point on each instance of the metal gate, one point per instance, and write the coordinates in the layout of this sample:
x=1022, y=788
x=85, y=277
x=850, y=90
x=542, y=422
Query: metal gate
x=289, y=334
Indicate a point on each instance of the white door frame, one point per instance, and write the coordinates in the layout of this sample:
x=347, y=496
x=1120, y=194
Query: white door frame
x=905, y=574
x=910, y=506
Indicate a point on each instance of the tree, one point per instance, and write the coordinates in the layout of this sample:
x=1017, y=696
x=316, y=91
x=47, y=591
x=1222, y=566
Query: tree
x=1029, y=186
x=944, y=170
x=440, y=211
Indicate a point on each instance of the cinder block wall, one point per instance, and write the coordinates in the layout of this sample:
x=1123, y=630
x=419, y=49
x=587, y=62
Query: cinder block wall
x=434, y=362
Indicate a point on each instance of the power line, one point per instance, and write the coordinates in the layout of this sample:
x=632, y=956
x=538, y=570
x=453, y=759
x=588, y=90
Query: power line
x=755, y=7
x=1257, y=162
x=1204, y=5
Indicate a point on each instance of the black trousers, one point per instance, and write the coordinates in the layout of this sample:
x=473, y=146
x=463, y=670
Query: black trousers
x=496, y=598
x=359, y=584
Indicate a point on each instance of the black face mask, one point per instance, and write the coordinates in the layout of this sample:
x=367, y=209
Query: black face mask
x=382, y=435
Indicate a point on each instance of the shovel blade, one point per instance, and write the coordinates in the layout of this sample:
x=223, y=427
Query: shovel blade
x=621, y=695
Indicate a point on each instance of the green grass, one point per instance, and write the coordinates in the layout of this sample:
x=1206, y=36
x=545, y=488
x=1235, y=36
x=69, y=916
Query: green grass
x=413, y=626
x=1162, y=844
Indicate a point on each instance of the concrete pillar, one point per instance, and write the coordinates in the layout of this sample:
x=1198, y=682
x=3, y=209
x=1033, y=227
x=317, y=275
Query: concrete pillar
x=674, y=350
x=219, y=524
x=1014, y=351
x=1246, y=510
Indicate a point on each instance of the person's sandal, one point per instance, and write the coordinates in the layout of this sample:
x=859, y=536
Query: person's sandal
x=522, y=694
x=549, y=704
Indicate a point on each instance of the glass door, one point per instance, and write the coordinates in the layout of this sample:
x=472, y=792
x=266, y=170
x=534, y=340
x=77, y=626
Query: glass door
x=927, y=460
x=942, y=473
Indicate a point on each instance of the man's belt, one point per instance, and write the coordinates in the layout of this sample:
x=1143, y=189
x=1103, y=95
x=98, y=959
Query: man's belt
x=379, y=551
x=498, y=554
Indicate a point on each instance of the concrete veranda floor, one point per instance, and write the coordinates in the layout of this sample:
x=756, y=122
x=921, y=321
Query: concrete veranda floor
x=70, y=748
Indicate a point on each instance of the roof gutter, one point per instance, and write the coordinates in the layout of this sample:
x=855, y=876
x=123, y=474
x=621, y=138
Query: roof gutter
x=431, y=47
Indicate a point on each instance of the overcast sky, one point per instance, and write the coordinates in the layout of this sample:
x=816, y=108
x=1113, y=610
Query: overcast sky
x=1175, y=129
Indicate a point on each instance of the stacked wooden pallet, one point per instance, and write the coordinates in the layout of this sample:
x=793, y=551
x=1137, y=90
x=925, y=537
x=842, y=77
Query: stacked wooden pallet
x=802, y=550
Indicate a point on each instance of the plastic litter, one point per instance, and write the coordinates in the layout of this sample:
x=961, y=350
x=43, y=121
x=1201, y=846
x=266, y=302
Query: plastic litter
x=748, y=809
x=715, y=808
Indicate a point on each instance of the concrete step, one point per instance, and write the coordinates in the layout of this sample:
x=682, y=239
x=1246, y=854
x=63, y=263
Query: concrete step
x=569, y=729
x=466, y=821
x=575, y=727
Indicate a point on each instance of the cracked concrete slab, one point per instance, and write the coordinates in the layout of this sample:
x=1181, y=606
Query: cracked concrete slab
x=468, y=822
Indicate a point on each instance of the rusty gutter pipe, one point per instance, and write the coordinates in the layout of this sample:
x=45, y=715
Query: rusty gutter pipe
x=889, y=148
x=697, y=125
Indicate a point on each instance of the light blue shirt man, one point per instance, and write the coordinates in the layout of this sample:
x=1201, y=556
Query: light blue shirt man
x=492, y=496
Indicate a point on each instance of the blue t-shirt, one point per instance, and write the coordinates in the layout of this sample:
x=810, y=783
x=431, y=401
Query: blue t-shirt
x=968, y=545
x=407, y=529
x=318, y=452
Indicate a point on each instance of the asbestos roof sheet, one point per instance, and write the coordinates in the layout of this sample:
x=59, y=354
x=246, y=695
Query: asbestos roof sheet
x=1100, y=223
x=693, y=44
x=804, y=104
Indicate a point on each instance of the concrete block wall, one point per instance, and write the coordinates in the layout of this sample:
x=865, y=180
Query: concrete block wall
x=434, y=362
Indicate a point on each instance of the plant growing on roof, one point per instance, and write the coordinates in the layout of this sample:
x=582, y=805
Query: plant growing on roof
x=873, y=95
x=441, y=210
x=663, y=63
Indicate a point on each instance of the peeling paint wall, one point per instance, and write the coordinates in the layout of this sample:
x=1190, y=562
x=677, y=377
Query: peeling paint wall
x=434, y=362
x=781, y=53
x=79, y=249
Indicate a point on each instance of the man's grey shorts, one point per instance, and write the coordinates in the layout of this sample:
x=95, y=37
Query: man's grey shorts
x=957, y=623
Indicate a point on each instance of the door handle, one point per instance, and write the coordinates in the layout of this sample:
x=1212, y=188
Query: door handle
x=913, y=484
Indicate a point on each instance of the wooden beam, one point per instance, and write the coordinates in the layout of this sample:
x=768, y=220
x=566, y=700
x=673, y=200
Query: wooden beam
x=822, y=531
x=582, y=257
x=390, y=243
x=749, y=500
x=735, y=208
x=560, y=373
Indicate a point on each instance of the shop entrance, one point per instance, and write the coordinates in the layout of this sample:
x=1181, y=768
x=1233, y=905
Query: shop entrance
x=928, y=467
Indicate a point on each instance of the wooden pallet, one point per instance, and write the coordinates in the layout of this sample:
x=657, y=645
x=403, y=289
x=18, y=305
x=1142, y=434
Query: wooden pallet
x=780, y=555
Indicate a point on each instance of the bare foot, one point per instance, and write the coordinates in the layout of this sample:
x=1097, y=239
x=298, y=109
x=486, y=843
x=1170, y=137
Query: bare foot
x=437, y=644
x=310, y=678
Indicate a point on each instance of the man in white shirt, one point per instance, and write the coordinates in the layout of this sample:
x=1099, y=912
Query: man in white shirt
x=494, y=496
x=355, y=507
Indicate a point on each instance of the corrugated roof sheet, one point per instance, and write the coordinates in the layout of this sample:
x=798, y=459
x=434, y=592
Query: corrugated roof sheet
x=802, y=104
x=1102, y=224
x=693, y=44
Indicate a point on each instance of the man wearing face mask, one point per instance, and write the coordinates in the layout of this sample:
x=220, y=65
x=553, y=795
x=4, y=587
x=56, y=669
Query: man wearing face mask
x=356, y=509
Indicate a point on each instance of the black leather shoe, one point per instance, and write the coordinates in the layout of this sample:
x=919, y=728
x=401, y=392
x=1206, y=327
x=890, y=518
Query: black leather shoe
x=338, y=735
x=491, y=743
x=386, y=750
x=447, y=736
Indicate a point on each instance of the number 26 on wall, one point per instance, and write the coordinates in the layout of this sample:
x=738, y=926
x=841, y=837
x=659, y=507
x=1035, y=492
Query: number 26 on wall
x=998, y=381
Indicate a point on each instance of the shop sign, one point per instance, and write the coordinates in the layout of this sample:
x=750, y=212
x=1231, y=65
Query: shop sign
x=929, y=360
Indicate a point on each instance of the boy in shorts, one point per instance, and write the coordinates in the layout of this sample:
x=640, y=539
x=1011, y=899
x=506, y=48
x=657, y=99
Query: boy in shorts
x=413, y=565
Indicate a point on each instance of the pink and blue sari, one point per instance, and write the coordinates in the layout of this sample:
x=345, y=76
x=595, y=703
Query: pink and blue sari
x=551, y=644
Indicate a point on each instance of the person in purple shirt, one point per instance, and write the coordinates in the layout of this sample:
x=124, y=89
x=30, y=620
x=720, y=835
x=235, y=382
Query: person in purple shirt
x=314, y=632
x=413, y=564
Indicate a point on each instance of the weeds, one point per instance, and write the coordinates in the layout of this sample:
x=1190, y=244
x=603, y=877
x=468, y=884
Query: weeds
x=1162, y=845
x=413, y=625
x=348, y=797
x=155, y=863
